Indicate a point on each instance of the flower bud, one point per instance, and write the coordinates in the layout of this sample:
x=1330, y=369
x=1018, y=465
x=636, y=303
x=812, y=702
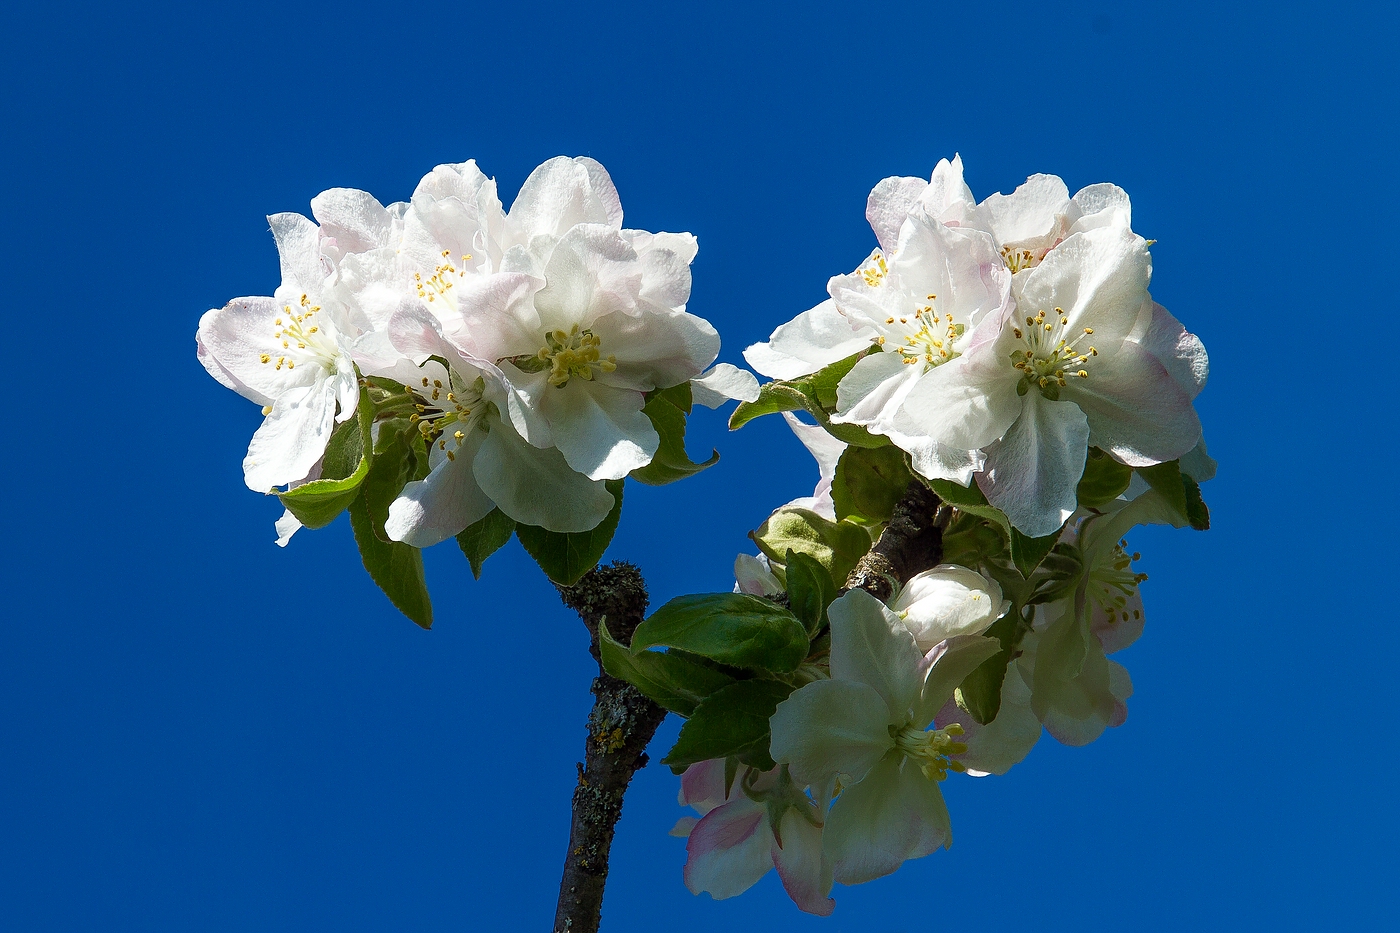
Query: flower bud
x=946, y=601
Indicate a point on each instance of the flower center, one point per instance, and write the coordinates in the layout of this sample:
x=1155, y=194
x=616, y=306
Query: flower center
x=932, y=343
x=300, y=339
x=930, y=748
x=1017, y=258
x=571, y=354
x=1112, y=583
x=1049, y=359
x=446, y=414
x=438, y=285
x=875, y=269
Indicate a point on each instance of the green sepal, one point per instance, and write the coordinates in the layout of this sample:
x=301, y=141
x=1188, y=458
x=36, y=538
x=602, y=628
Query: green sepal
x=669, y=679
x=485, y=537
x=1104, y=479
x=397, y=568
x=835, y=545
x=667, y=410
x=732, y=628
x=1027, y=552
x=1197, y=513
x=817, y=394
x=810, y=590
x=731, y=721
x=566, y=557
x=869, y=482
x=344, y=467
x=971, y=539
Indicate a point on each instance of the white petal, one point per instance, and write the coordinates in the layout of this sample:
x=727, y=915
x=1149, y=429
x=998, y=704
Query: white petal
x=1031, y=212
x=721, y=383
x=893, y=815
x=805, y=872
x=947, y=198
x=445, y=502
x=292, y=438
x=729, y=849
x=948, y=600
x=1198, y=464
x=753, y=576
x=1093, y=203
x=993, y=748
x=702, y=786
x=964, y=404
x=286, y=526
x=829, y=728
x=232, y=341
x=354, y=218
x=948, y=663
x=813, y=339
x=600, y=430
x=1136, y=410
x=298, y=251
x=536, y=486
x=1033, y=471
x=1179, y=350
x=870, y=645
x=560, y=194
x=658, y=349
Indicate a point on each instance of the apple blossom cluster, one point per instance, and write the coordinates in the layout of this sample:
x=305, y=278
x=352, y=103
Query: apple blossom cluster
x=445, y=367
x=1008, y=357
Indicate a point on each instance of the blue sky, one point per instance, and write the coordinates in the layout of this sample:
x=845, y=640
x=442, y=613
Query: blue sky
x=201, y=731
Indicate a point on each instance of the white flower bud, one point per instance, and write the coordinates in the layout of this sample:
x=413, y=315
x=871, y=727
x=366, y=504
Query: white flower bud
x=946, y=601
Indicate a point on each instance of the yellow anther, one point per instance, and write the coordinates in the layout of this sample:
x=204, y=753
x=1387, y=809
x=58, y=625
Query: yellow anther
x=264, y=358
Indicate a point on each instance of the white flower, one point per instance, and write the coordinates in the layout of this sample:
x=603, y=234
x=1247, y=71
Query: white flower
x=721, y=383
x=867, y=727
x=813, y=339
x=765, y=822
x=754, y=575
x=1055, y=372
x=477, y=460
x=289, y=353
x=946, y=601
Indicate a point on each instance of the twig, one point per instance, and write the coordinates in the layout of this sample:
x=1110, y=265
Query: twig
x=911, y=543
x=619, y=727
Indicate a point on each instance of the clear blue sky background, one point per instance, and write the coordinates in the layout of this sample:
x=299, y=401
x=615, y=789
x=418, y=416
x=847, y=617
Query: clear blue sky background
x=199, y=731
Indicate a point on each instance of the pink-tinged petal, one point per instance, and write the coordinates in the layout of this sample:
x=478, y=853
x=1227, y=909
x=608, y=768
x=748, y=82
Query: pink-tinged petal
x=872, y=646
x=232, y=341
x=889, y=203
x=805, y=873
x=702, y=786
x=729, y=849
x=993, y=748
x=536, y=486
x=498, y=316
x=1179, y=350
x=947, y=198
x=830, y=728
x=561, y=194
x=293, y=437
x=1136, y=410
x=592, y=271
x=753, y=576
x=600, y=430
x=443, y=503
x=946, y=665
x=1122, y=687
x=1117, y=628
x=1033, y=472
x=894, y=814
x=813, y=339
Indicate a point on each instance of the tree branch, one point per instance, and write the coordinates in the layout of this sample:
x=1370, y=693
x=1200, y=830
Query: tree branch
x=619, y=727
x=911, y=543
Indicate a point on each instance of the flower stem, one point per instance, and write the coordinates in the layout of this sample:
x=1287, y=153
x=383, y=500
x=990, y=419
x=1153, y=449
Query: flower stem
x=619, y=727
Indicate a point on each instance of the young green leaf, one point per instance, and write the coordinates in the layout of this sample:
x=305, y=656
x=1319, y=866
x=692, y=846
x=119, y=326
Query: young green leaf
x=869, y=482
x=1104, y=479
x=392, y=469
x=484, y=538
x=1166, y=479
x=731, y=721
x=1196, y=511
x=817, y=394
x=345, y=465
x=397, y=568
x=670, y=680
x=732, y=628
x=667, y=410
x=773, y=397
x=1027, y=553
x=565, y=557
x=810, y=590
x=835, y=545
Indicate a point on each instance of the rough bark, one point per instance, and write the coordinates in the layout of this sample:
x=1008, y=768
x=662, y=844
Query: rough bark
x=911, y=543
x=619, y=727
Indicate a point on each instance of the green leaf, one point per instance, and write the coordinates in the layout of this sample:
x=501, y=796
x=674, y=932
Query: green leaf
x=731, y=721
x=869, y=482
x=970, y=499
x=1027, y=553
x=565, y=557
x=980, y=691
x=670, y=680
x=667, y=410
x=392, y=469
x=971, y=540
x=732, y=628
x=345, y=465
x=1104, y=479
x=810, y=590
x=396, y=567
x=817, y=394
x=485, y=537
x=1166, y=479
x=835, y=545
x=773, y=397
x=1196, y=511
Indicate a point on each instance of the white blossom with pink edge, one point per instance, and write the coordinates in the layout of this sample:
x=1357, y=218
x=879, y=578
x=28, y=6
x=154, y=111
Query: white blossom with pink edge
x=765, y=821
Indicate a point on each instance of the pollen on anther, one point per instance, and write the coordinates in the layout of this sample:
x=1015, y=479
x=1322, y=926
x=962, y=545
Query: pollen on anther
x=265, y=358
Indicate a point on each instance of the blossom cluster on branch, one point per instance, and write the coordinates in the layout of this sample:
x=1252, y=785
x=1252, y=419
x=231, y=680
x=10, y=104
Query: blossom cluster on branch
x=992, y=396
